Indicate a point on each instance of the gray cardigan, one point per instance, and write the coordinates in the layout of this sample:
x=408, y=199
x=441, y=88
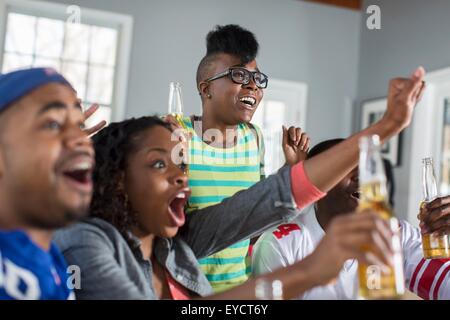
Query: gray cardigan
x=110, y=269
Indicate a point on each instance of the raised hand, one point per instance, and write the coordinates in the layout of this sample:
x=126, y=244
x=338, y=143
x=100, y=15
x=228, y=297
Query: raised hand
x=89, y=112
x=295, y=145
x=403, y=95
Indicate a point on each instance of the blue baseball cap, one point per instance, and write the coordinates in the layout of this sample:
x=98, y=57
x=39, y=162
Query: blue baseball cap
x=16, y=84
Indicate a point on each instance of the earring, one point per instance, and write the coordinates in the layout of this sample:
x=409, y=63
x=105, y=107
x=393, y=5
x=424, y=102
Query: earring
x=208, y=96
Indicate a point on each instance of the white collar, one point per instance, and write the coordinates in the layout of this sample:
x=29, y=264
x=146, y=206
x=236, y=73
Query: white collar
x=309, y=220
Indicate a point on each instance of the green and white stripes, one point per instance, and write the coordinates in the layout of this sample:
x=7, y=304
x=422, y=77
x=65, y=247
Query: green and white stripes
x=214, y=175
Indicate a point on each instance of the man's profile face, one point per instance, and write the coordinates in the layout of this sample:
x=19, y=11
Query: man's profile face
x=345, y=195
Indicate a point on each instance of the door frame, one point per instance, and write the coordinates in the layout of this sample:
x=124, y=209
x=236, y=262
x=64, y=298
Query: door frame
x=426, y=138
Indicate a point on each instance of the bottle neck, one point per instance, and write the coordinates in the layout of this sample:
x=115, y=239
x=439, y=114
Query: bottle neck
x=372, y=177
x=429, y=185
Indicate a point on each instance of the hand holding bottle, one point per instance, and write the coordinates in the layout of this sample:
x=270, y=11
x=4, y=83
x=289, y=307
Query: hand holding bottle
x=345, y=239
x=435, y=216
x=174, y=115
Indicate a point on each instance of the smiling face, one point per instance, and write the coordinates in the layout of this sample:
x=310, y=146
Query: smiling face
x=46, y=160
x=230, y=102
x=344, y=197
x=155, y=185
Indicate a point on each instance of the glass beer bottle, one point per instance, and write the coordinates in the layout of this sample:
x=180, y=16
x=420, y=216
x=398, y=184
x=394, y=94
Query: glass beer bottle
x=175, y=105
x=175, y=109
x=434, y=246
x=373, y=282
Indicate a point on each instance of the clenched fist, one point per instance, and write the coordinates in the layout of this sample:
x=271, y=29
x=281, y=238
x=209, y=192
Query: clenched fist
x=403, y=95
x=295, y=145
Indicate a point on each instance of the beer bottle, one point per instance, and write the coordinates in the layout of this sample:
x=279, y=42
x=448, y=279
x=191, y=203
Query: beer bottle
x=268, y=290
x=175, y=103
x=180, y=154
x=434, y=246
x=374, y=282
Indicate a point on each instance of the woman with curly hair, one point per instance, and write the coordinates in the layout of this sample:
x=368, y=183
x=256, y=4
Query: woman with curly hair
x=137, y=243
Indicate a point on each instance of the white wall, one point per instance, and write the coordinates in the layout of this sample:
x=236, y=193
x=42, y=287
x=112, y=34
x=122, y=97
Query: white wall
x=299, y=41
x=413, y=33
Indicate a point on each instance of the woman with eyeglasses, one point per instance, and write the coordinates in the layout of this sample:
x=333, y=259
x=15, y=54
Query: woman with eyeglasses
x=226, y=150
x=138, y=244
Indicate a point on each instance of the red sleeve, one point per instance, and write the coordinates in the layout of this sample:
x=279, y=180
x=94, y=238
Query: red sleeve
x=303, y=190
x=428, y=277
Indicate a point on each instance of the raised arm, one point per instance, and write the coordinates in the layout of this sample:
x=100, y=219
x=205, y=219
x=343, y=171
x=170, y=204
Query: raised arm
x=275, y=200
x=328, y=168
x=244, y=215
x=344, y=240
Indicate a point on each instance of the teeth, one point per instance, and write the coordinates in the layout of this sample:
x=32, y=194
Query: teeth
x=81, y=166
x=356, y=193
x=248, y=99
x=181, y=195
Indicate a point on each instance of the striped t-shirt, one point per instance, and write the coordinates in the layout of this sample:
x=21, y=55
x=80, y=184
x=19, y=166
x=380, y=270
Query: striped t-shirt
x=216, y=174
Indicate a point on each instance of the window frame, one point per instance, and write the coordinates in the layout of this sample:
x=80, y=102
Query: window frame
x=426, y=139
x=295, y=114
x=123, y=23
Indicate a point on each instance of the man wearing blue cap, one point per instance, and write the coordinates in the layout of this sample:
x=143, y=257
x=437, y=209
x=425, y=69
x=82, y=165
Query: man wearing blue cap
x=46, y=160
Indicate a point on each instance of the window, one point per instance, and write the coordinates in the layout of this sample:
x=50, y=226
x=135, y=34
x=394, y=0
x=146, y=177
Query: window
x=284, y=103
x=39, y=34
x=269, y=117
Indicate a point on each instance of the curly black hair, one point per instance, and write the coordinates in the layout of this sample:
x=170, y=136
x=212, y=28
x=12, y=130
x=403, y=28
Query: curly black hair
x=113, y=146
x=231, y=39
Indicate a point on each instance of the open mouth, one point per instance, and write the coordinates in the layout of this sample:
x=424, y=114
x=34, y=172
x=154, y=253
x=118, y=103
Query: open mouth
x=248, y=101
x=356, y=194
x=80, y=175
x=176, y=207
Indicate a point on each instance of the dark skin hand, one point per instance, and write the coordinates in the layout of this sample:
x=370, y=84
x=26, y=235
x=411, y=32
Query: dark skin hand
x=152, y=178
x=295, y=142
x=89, y=112
x=345, y=236
x=403, y=95
x=435, y=216
x=170, y=119
x=344, y=239
x=295, y=145
x=177, y=128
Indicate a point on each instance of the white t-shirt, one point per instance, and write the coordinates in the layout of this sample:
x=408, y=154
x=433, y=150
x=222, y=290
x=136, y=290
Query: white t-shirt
x=289, y=243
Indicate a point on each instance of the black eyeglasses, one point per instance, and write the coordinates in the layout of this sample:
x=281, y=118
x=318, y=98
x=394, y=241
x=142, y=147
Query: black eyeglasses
x=242, y=76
